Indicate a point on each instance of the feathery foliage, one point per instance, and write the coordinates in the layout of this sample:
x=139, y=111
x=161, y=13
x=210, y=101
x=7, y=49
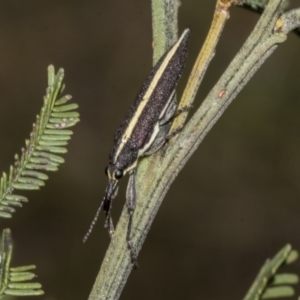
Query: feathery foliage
x=268, y=284
x=47, y=139
x=12, y=280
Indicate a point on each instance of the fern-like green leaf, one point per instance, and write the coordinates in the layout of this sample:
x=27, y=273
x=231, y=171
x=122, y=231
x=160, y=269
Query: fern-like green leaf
x=12, y=279
x=268, y=284
x=41, y=152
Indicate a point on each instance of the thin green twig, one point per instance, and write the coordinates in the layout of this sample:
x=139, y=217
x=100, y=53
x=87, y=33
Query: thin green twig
x=152, y=183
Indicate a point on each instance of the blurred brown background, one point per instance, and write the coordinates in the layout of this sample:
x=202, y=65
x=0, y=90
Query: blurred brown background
x=236, y=203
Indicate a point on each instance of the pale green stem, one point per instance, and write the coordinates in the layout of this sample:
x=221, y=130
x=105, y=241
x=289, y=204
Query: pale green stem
x=156, y=173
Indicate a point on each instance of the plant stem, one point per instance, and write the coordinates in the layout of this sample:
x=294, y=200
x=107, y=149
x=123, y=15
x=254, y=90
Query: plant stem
x=164, y=26
x=109, y=283
x=156, y=173
x=205, y=56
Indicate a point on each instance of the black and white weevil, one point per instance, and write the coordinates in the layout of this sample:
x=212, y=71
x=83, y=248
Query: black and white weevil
x=138, y=133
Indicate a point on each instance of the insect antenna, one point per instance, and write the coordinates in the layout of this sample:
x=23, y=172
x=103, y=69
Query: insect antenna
x=86, y=236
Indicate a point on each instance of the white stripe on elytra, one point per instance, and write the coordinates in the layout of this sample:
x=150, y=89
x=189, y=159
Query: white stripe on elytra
x=126, y=135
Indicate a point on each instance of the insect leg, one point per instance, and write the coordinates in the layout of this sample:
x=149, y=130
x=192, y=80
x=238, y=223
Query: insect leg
x=164, y=126
x=131, y=202
x=175, y=114
x=157, y=144
x=163, y=135
x=170, y=111
x=107, y=205
x=108, y=224
x=181, y=110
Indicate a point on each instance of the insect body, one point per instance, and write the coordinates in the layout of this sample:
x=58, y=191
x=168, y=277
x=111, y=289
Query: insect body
x=138, y=133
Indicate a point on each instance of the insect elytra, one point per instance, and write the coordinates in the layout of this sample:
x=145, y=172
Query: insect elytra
x=135, y=132
x=138, y=133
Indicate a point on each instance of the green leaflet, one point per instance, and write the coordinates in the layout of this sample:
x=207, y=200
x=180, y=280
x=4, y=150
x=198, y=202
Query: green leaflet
x=21, y=276
x=31, y=181
x=24, y=286
x=16, y=198
x=66, y=115
x=13, y=280
x=63, y=124
x=12, y=292
x=25, y=186
x=4, y=214
x=42, y=160
x=11, y=203
x=65, y=107
x=268, y=284
x=285, y=279
x=52, y=149
x=56, y=120
x=23, y=268
x=35, y=174
x=49, y=156
x=58, y=132
x=63, y=100
x=53, y=143
x=7, y=209
x=41, y=167
x=48, y=140
x=56, y=138
x=276, y=292
x=293, y=256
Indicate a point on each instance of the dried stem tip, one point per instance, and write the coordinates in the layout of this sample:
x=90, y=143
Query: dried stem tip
x=225, y=4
